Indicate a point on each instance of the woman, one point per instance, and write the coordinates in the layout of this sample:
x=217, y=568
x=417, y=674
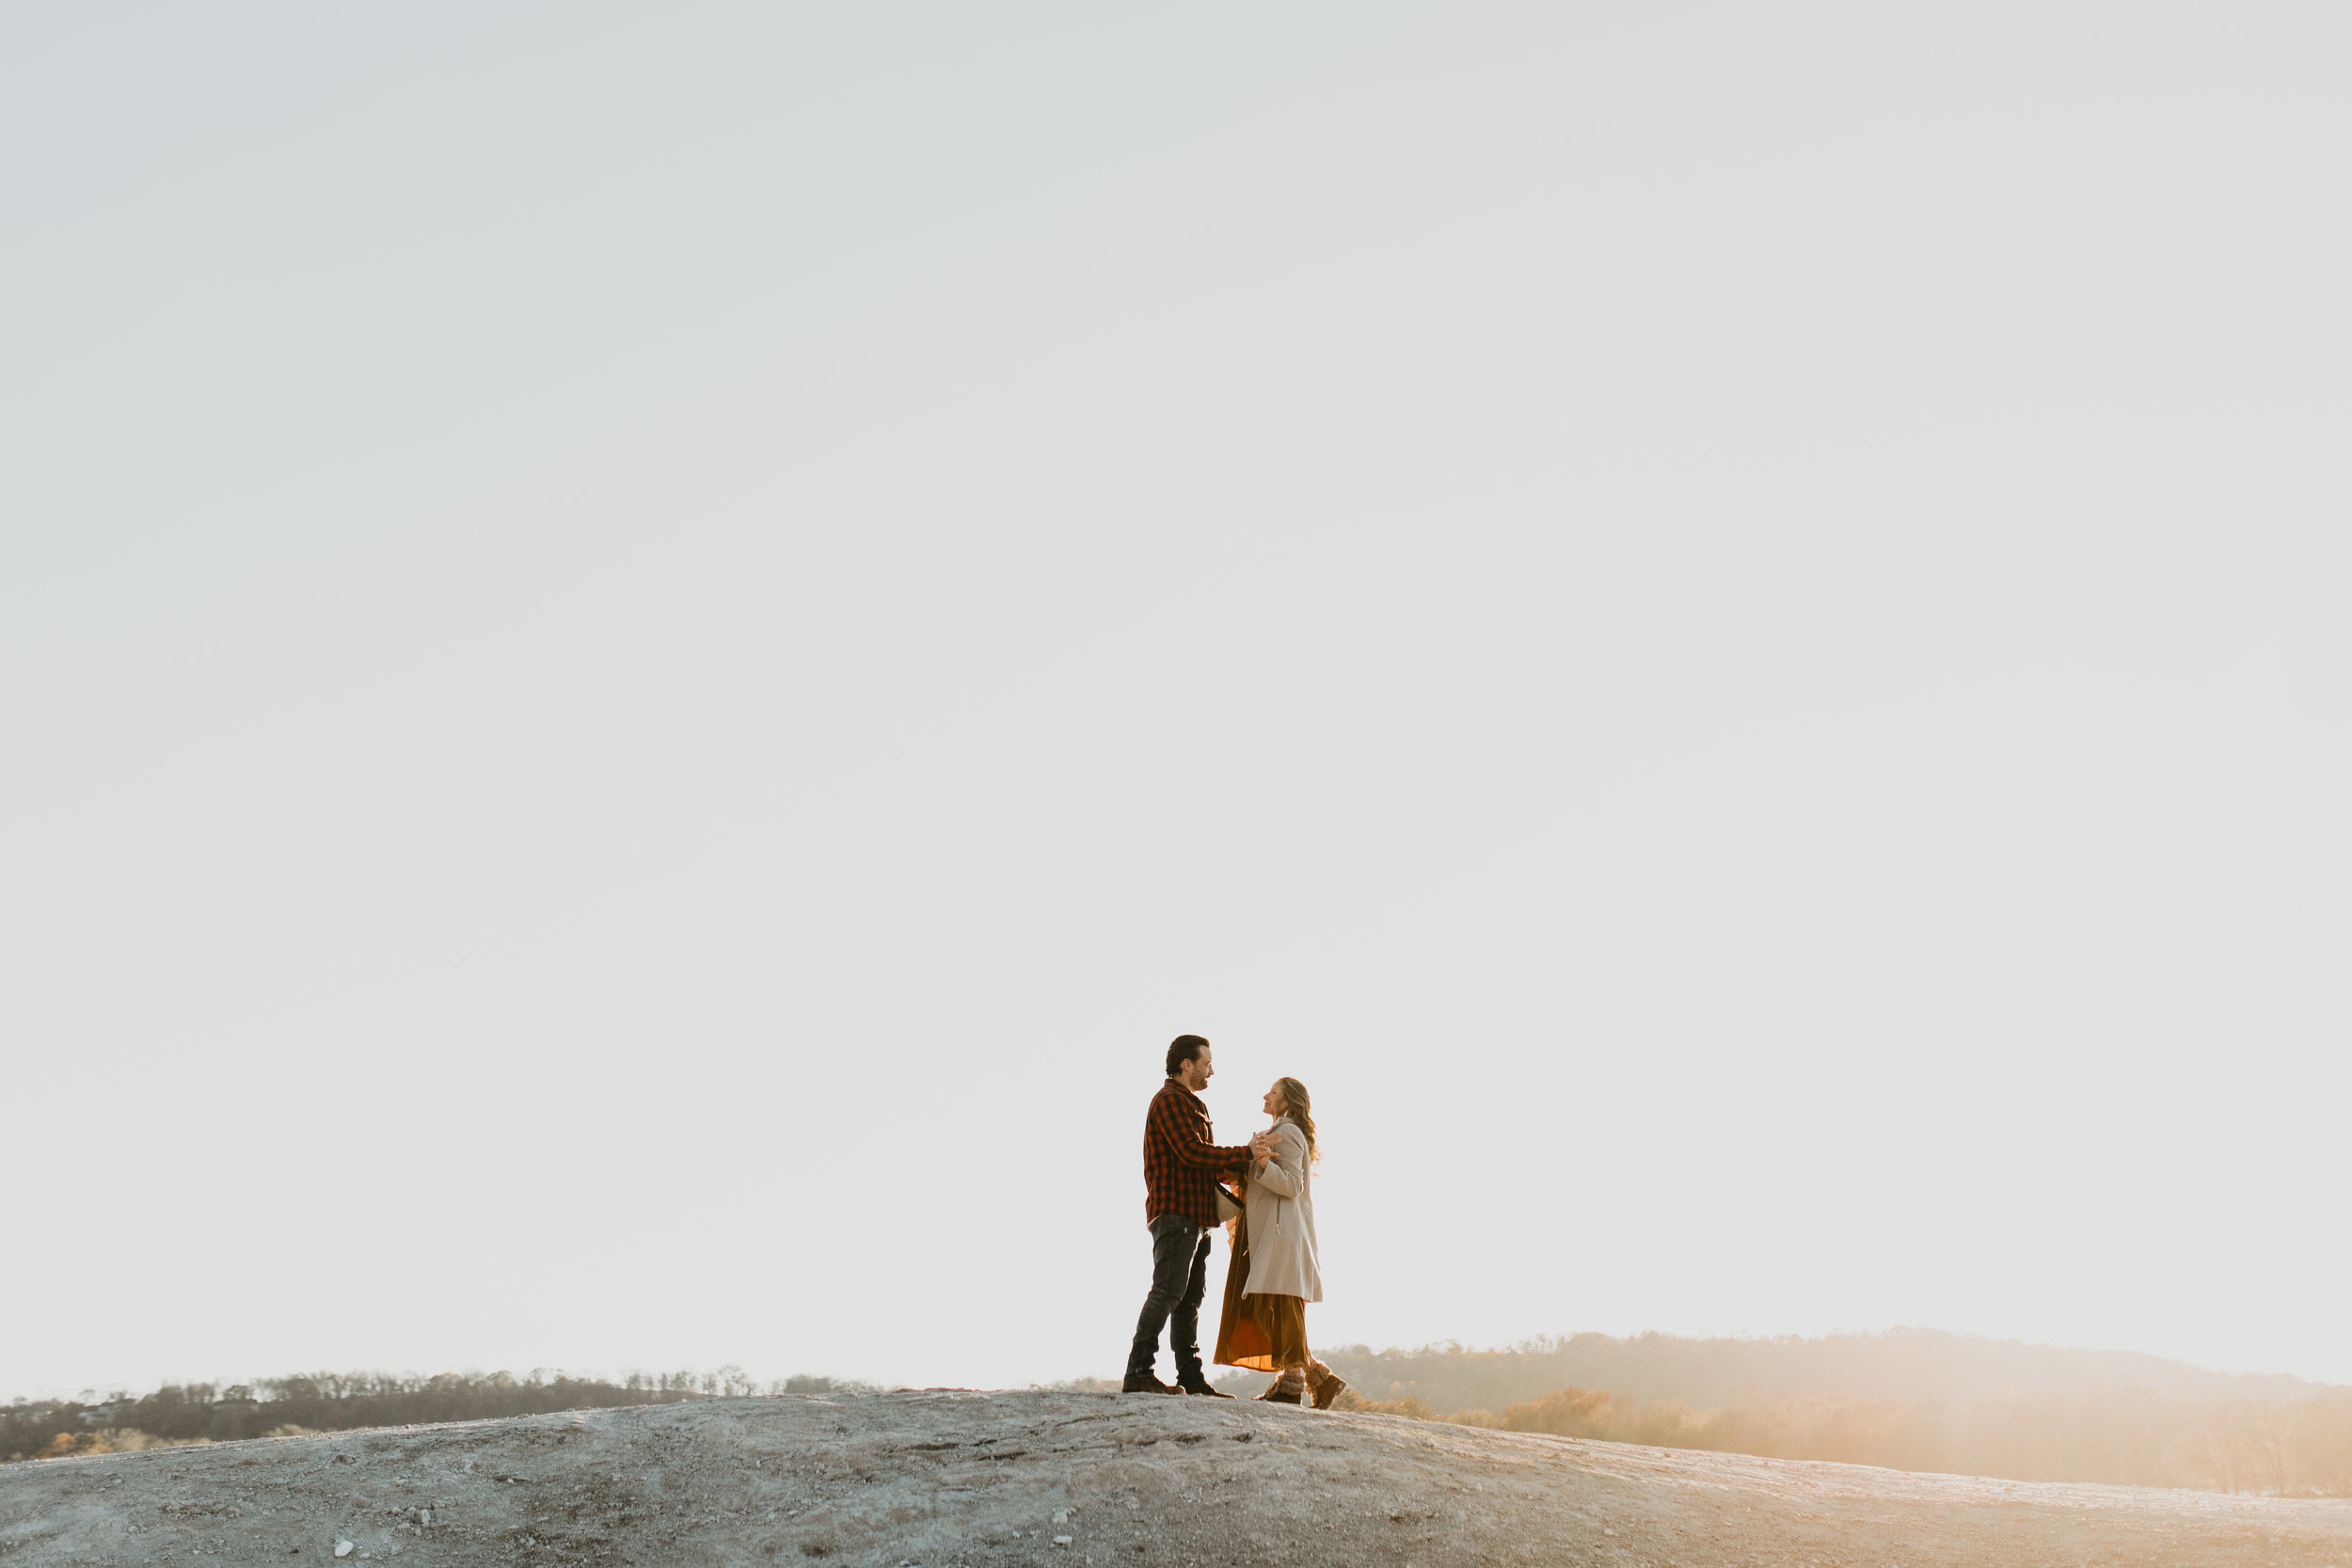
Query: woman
x=1275, y=1271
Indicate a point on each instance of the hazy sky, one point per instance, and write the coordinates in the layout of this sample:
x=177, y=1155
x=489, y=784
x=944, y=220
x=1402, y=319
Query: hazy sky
x=648, y=653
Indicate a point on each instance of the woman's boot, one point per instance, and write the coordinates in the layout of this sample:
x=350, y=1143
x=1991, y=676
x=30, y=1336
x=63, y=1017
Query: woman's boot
x=1289, y=1388
x=1326, y=1383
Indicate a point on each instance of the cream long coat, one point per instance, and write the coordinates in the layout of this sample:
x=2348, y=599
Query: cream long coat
x=1282, y=1260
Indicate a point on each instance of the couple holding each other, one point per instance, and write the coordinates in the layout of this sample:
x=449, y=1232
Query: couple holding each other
x=1275, y=1272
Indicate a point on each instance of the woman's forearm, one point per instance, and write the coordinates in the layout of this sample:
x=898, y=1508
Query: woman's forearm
x=1273, y=1178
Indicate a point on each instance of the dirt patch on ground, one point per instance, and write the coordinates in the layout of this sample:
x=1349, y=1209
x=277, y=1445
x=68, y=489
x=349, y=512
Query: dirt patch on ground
x=939, y=1479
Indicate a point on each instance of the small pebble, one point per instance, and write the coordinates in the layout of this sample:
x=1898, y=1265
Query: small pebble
x=342, y=1548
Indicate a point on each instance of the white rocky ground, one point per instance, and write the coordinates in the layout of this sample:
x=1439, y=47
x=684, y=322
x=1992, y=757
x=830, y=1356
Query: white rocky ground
x=941, y=1478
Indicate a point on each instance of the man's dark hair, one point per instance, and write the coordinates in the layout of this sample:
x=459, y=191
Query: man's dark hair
x=1182, y=1049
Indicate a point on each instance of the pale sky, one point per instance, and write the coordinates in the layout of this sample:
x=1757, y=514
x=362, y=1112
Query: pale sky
x=648, y=653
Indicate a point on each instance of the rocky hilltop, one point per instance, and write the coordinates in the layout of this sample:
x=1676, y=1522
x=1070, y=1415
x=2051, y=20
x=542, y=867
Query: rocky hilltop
x=941, y=1478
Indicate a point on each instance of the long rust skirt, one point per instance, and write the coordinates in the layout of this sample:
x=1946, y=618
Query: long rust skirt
x=1262, y=1333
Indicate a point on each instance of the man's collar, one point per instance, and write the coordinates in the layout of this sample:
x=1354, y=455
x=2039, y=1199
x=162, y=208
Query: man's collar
x=1183, y=1088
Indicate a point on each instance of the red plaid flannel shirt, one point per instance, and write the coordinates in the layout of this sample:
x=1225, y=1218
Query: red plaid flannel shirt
x=1180, y=1162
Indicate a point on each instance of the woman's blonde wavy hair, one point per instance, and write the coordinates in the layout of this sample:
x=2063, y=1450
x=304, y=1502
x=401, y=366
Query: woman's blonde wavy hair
x=1296, y=1106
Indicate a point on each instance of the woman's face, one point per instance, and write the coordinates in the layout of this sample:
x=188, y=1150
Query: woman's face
x=1274, y=1099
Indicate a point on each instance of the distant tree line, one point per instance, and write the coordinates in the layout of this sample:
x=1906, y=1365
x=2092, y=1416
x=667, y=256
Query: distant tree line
x=341, y=1401
x=1909, y=1399
x=1905, y=1364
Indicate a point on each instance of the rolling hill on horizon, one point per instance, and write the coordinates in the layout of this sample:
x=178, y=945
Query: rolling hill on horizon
x=1902, y=1364
x=1906, y=1399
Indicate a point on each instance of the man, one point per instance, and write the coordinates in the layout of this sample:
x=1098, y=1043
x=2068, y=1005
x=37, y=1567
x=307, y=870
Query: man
x=1181, y=1162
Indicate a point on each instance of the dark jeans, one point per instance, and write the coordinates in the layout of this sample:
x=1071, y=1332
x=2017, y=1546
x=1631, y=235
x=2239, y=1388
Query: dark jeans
x=1180, y=1277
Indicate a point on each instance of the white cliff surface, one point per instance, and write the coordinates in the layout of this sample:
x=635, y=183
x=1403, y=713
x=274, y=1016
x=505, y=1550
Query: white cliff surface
x=943, y=1477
